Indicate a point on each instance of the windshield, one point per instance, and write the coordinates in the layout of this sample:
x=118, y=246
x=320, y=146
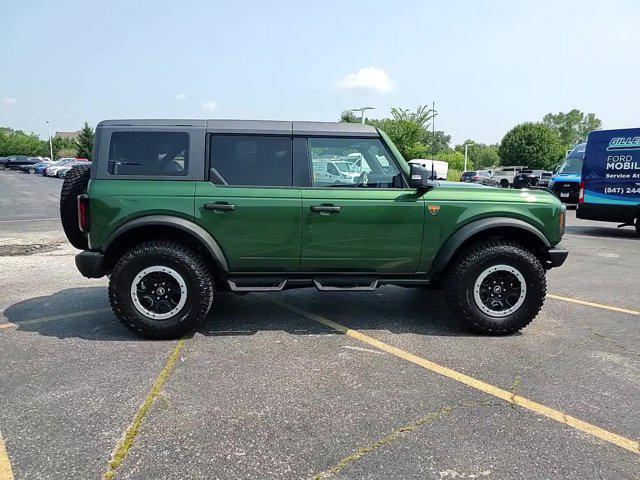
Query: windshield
x=571, y=165
x=578, y=151
x=347, y=167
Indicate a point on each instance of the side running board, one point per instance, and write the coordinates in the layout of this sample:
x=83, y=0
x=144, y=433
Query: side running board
x=253, y=287
x=345, y=285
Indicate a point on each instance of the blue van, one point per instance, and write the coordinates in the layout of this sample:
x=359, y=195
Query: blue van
x=565, y=183
x=610, y=190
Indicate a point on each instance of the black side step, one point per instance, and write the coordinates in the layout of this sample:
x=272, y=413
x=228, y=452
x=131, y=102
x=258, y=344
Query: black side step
x=346, y=284
x=257, y=284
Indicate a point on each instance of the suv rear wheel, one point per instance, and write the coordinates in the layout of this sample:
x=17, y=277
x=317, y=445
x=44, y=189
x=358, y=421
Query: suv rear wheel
x=161, y=289
x=496, y=287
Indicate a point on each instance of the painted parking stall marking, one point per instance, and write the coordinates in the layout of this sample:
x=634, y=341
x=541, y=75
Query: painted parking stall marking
x=6, y=472
x=484, y=387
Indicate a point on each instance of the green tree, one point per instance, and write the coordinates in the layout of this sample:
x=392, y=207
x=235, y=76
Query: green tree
x=482, y=156
x=405, y=134
x=532, y=144
x=347, y=116
x=436, y=142
x=16, y=142
x=408, y=130
x=84, y=142
x=420, y=117
x=572, y=127
x=454, y=159
x=62, y=147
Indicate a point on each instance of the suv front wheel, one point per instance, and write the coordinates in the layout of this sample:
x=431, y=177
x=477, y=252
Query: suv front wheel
x=161, y=289
x=496, y=288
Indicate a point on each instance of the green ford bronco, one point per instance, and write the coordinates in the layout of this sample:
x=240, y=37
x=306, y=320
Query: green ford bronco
x=173, y=210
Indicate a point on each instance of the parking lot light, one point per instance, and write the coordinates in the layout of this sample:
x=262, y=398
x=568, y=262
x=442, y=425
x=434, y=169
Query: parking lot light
x=50, y=142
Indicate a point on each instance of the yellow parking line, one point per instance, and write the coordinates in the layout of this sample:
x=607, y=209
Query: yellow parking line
x=63, y=316
x=592, y=304
x=509, y=397
x=6, y=472
x=126, y=442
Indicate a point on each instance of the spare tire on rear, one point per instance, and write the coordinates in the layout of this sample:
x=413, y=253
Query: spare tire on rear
x=75, y=183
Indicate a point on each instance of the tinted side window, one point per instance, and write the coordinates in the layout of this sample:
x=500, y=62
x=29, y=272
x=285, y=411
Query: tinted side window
x=149, y=153
x=253, y=160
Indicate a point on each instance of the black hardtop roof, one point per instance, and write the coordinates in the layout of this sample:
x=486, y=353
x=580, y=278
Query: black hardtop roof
x=265, y=127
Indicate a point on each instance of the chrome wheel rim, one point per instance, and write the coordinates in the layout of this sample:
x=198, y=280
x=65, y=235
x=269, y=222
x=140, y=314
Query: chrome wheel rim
x=158, y=292
x=500, y=290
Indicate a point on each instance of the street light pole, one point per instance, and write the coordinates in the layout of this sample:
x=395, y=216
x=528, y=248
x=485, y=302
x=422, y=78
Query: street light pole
x=50, y=142
x=466, y=149
x=361, y=110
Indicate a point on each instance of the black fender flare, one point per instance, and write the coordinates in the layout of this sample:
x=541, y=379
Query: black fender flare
x=205, y=239
x=448, y=249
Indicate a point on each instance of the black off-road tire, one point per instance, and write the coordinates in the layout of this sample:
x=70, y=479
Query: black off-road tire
x=462, y=275
x=638, y=224
x=75, y=183
x=189, y=264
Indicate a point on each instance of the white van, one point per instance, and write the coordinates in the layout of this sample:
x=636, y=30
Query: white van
x=328, y=171
x=440, y=168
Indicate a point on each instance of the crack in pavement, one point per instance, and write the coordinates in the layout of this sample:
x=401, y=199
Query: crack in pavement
x=398, y=434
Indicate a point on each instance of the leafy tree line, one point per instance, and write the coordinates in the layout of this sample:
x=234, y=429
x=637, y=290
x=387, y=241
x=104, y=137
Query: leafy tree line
x=17, y=142
x=539, y=145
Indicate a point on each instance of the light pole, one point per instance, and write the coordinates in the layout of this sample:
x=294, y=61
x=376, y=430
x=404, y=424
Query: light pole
x=466, y=149
x=50, y=142
x=361, y=110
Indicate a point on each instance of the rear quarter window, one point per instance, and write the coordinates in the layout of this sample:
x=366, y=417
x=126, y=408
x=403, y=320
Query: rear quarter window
x=149, y=153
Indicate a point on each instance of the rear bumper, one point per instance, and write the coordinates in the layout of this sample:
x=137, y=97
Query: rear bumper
x=91, y=264
x=555, y=257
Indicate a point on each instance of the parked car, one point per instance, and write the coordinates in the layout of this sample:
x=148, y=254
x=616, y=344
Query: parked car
x=543, y=178
x=58, y=163
x=610, y=188
x=481, y=177
x=171, y=214
x=525, y=179
x=565, y=183
x=505, y=175
x=439, y=168
x=33, y=168
x=14, y=162
x=62, y=171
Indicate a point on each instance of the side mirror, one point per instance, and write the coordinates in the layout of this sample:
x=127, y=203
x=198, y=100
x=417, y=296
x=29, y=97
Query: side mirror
x=419, y=178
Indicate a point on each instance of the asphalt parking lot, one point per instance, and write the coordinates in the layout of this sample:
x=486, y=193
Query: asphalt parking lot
x=303, y=384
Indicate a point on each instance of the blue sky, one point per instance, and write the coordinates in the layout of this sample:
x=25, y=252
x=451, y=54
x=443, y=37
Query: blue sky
x=488, y=65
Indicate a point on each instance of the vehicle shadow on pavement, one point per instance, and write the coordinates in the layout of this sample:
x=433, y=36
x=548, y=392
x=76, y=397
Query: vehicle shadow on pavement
x=410, y=310
x=604, y=232
x=72, y=313
x=85, y=313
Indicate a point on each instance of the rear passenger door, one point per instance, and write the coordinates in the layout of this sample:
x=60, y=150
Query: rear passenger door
x=249, y=204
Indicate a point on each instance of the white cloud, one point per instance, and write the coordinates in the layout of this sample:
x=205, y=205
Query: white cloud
x=7, y=102
x=209, y=106
x=366, y=80
x=181, y=96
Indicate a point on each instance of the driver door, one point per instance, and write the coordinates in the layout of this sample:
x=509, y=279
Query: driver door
x=373, y=223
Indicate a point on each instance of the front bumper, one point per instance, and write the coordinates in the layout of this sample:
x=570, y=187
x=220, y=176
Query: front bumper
x=91, y=264
x=555, y=257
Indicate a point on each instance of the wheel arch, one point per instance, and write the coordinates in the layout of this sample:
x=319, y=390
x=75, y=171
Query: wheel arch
x=478, y=230
x=163, y=227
